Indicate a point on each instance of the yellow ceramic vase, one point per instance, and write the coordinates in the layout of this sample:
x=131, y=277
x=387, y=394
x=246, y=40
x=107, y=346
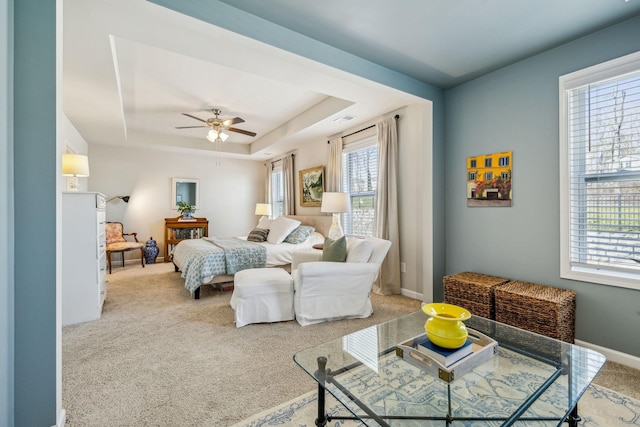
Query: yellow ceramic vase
x=445, y=325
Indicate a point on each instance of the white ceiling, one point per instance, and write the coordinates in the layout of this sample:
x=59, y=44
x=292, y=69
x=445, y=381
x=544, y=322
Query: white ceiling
x=130, y=67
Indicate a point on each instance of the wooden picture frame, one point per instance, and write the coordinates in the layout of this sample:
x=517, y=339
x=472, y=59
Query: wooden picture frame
x=311, y=184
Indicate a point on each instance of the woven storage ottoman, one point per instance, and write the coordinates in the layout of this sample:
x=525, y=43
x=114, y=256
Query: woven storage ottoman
x=537, y=308
x=473, y=291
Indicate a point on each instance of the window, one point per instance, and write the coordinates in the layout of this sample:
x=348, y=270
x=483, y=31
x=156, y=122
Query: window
x=600, y=173
x=473, y=163
x=487, y=162
x=503, y=161
x=488, y=176
x=472, y=176
x=360, y=180
x=277, y=192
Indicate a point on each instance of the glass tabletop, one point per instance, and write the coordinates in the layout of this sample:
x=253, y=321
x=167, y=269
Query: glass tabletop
x=530, y=377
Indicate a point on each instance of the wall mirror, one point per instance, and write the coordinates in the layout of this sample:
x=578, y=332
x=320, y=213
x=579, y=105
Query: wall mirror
x=184, y=190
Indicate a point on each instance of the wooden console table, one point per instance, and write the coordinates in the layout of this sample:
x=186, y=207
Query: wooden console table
x=176, y=230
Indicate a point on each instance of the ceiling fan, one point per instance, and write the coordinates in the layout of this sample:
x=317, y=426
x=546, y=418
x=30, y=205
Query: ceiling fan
x=218, y=126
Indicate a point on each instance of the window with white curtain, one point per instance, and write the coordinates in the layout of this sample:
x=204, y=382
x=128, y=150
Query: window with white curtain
x=277, y=191
x=600, y=173
x=360, y=180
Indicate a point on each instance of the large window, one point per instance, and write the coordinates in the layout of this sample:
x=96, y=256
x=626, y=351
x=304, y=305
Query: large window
x=277, y=192
x=360, y=180
x=600, y=173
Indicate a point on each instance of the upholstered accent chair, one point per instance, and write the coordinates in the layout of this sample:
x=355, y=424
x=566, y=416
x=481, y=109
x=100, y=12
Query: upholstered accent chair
x=116, y=242
x=327, y=290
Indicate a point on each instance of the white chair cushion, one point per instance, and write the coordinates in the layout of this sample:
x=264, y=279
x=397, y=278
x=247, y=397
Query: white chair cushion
x=257, y=281
x=280, y=228
x=262, y=295
x=360, y=252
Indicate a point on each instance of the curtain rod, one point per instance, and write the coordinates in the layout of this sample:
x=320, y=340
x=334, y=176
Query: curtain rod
x=362, y=130
x=280, y=159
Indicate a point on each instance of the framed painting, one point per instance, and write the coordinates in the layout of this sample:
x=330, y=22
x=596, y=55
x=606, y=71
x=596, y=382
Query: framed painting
x=489, y=180
x=311, y=186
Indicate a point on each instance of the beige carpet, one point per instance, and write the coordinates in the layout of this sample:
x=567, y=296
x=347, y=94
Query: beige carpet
x=159, y=358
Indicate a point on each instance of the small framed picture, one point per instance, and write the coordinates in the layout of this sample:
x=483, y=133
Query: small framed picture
x=311, y=186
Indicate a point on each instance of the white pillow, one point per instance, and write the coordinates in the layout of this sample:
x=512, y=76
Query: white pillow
x=265, y=223
x=360, y=252
x=280, y=228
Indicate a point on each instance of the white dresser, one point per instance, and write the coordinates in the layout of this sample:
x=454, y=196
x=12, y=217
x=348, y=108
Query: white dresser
x=84, y=260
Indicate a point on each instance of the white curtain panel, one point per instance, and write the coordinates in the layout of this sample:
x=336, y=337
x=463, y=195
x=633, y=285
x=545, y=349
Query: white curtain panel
x=289, y=203
x=388, y=281
x=268, y=167
x=333, y=179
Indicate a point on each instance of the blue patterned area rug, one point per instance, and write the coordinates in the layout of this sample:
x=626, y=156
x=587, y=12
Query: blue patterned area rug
x=598, y=407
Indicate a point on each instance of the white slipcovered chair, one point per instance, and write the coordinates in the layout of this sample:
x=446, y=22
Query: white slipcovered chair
x=325, y=291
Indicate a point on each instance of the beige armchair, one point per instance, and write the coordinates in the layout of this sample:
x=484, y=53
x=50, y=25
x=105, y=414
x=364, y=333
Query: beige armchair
x=116, y=242
x=325, y=291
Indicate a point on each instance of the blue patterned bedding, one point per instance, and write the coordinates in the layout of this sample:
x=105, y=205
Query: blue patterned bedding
x=211, y=256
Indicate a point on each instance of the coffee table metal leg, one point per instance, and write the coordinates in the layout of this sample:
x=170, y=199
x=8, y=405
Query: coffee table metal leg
x=573, y=419
x=321, y=374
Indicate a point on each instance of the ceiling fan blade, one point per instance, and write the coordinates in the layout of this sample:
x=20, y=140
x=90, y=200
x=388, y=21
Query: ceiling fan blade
x=244, y=132
x=194, y=117
x=189, y=127
x=233, y=121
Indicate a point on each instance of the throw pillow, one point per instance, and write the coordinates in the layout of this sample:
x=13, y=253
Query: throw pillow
x=258, y=235
x=360, y=252
x=280, y=228
x=334, y=250
x=265, y=223
x=300, y=234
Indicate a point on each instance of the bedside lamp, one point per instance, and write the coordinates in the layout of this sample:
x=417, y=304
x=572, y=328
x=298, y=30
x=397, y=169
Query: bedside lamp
x=335, y=203
x=75, y=165
x=263, y=209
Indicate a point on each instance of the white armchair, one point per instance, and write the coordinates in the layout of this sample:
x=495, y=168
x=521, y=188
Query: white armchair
x=325, y=291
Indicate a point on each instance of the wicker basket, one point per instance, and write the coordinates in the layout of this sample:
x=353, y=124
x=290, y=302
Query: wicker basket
x=537, y=308
x=473, y=291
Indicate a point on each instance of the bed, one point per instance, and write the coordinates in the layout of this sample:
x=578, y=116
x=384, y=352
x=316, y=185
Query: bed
x=214, y=261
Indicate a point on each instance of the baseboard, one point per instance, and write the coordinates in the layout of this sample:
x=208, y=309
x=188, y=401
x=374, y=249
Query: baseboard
x=411, y=294
x=135, y=261
x=62, y=418
x=613, y=355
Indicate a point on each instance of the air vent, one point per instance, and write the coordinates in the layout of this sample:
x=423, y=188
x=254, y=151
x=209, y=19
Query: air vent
x=343, y=119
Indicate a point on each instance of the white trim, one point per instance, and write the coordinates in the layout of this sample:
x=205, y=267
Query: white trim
x=614, y=68
x=613, y=355
x=411, y=294
x=62, y=418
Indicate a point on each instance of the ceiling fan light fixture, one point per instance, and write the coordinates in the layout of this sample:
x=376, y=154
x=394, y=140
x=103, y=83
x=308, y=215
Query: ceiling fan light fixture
x=217, y=136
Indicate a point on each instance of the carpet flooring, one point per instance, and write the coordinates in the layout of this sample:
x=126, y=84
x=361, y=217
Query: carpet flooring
x=159, y=358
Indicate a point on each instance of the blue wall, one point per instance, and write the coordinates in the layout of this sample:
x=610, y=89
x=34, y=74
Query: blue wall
x=6, y=224
x=516, y=108
x=35, y=206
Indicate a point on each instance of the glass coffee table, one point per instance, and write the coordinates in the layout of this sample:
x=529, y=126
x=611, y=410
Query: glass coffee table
x=529, y=378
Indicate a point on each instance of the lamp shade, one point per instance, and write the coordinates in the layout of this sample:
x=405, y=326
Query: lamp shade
x=263, y=209
x=335, y=202
x=75, y=165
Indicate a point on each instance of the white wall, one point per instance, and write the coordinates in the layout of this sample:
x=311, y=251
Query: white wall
x=74, y=143
x=229, y=189
x=415, y=136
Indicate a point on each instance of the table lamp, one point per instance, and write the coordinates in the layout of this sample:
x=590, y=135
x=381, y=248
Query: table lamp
x=75, y=165
x=263, y=209
x=335, y=203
